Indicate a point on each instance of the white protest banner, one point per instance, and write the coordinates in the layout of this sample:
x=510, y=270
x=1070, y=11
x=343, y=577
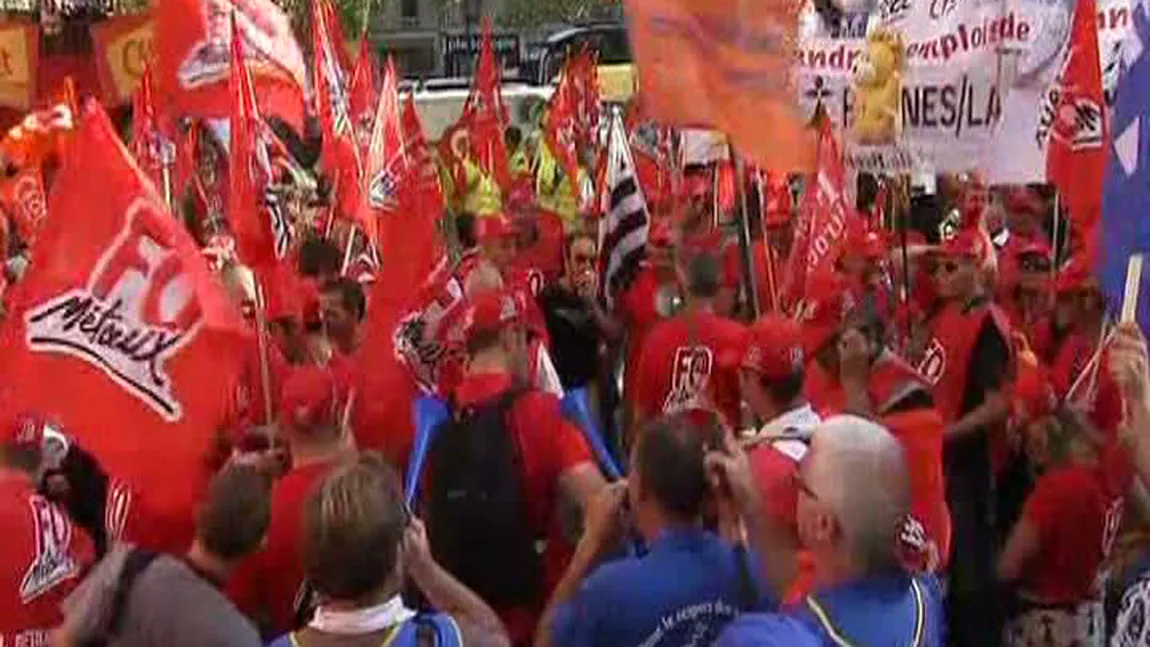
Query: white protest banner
x=972, y=85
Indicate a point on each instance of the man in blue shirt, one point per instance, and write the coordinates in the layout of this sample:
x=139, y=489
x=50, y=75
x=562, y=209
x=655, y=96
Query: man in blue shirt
x=854, y=497
x=688, y=585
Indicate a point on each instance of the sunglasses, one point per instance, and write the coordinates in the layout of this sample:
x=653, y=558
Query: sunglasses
x=583, y=258
x=1035, y=265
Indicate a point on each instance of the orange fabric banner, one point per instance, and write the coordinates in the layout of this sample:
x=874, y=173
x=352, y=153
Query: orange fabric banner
x=123, y=47
x=19, y=56
x=724, y=64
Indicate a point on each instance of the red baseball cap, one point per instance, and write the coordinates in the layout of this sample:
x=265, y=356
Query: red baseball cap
x=309, y=397
x=494, y=227
x=828, y=305
x=773, y=348
x=1022, y=200
x=659, y=234
x=491, y=312
x=862, y=240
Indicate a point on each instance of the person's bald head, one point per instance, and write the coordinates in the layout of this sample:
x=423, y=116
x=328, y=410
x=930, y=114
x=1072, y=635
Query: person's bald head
x=856, y=492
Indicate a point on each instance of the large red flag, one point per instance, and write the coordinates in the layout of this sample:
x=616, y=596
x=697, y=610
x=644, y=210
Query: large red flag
x=118, y=332
x=386, y=164
x=193, y=57
x=364, y=96
x=423, y=175
x=148, y=144
x=1076, y=151
x=723, y=64
x=340, y=154
x=23, y=197
x=822, y=224
x=485, y=114
x=263, y=232
x=561, y=124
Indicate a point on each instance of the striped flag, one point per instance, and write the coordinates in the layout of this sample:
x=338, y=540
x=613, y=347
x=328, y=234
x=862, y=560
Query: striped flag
x=623, y=233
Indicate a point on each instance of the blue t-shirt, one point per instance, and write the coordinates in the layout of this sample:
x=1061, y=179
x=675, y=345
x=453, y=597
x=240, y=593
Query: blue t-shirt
x=683, y=592
x=889, y=611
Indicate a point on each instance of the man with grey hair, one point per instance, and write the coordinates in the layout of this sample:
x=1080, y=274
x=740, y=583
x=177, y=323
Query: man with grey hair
x=854, y=493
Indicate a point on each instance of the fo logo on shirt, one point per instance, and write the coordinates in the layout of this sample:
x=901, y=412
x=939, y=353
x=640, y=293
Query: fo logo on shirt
x=136, y=312
x=52, y=564
x=933, y=363
x=689, y=378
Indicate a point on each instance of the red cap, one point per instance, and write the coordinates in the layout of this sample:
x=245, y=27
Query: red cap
x=659, y=234
x=494, y=227
x=490, y=312
x=1033, y=248
x=862, y=240
x=829, y=302
x=521, y=194
x=309, y=397
x=1022, y=200
x=1034, y=396
x=773, y=348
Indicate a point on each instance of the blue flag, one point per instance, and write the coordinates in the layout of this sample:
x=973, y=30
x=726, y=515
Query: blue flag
x=1126, y=194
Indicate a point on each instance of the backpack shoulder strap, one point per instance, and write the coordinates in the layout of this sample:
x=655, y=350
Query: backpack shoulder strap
x=135, y=563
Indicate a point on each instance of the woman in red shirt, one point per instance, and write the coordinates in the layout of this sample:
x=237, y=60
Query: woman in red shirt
x=1055, y=552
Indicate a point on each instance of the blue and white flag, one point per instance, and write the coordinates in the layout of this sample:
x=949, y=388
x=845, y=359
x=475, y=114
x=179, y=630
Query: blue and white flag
x=1126, y=192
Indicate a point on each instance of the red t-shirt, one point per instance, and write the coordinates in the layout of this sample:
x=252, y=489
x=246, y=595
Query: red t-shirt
x=267, y=583
x=1068, y=510
x=545, y=256
x=42, y=558
x=679, y=367
x=551, y=445
x=640, y=313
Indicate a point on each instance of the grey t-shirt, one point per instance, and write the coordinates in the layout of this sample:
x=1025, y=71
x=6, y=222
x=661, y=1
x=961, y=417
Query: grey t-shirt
x=169, y=605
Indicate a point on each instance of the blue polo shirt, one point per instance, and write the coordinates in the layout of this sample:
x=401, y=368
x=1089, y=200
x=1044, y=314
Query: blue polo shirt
x=682, y=592
x=894, y=610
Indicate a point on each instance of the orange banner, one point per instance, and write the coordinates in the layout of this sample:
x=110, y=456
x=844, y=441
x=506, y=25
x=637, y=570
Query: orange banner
x=123, y=45
x=724, y=64
x=19, y=56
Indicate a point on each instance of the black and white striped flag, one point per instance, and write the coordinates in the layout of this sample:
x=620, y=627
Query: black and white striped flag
x=623, y=231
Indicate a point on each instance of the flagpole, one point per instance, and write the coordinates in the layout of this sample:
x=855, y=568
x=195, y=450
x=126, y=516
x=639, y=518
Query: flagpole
x=262, y=348
x=902, y=199
x=768, y=254
x=348, y=250
x=1054, y=235
x=745, y=233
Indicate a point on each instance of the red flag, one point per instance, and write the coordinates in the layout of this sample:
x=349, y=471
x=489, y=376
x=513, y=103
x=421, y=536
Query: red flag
x=262, y=230
x=423, y=173
x=364, y=96
x=148, y=143
x=340, y=155
x=822, y=222
x=584, y=71
x=193, y=55
x=24, y=199
x=723, y=64
x=1076, y=154
x=386, y=165
x=485, y=114
x=118, y=332
x=560, y=126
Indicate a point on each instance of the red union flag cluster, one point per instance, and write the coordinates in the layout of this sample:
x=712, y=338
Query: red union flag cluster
x=723, y=64
x=118, y=332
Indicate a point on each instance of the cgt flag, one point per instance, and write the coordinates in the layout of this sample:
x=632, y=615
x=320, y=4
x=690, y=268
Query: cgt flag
x=723, y=64
x=118, y=332
x=1125, y=229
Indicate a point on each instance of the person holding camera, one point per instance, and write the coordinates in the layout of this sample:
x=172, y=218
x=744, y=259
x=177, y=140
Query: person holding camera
x=854, y=492
x=687, y=585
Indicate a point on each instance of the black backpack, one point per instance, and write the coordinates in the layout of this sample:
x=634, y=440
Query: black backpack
x=475, y=505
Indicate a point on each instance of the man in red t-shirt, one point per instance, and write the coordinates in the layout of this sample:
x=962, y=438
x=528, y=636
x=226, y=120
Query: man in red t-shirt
x=42, y=553
x=679, y=368
x=652, y=296
x=267, y=585
x=555, y=459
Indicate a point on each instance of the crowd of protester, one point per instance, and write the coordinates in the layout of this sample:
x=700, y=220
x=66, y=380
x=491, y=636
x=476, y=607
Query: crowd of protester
x=942, y=447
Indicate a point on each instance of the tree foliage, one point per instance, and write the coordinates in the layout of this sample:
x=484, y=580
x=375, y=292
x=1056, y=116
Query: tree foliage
x=528, y=14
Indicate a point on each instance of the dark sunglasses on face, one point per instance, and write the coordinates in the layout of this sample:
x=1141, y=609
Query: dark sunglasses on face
x=1035, y=265
x=583, y=258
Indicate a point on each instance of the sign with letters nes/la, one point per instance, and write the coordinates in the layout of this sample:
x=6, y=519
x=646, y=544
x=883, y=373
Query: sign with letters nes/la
x=972, y=88
x=123, y=47
x=19, y=56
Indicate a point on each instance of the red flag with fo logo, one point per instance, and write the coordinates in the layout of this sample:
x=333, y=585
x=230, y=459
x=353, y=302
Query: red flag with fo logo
x=119, y=333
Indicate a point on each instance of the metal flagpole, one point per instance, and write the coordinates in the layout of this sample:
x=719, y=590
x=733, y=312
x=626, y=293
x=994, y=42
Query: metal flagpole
x=745, y=234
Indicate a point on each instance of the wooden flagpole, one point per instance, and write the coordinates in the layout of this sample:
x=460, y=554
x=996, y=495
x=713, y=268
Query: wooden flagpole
x=262, y=349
